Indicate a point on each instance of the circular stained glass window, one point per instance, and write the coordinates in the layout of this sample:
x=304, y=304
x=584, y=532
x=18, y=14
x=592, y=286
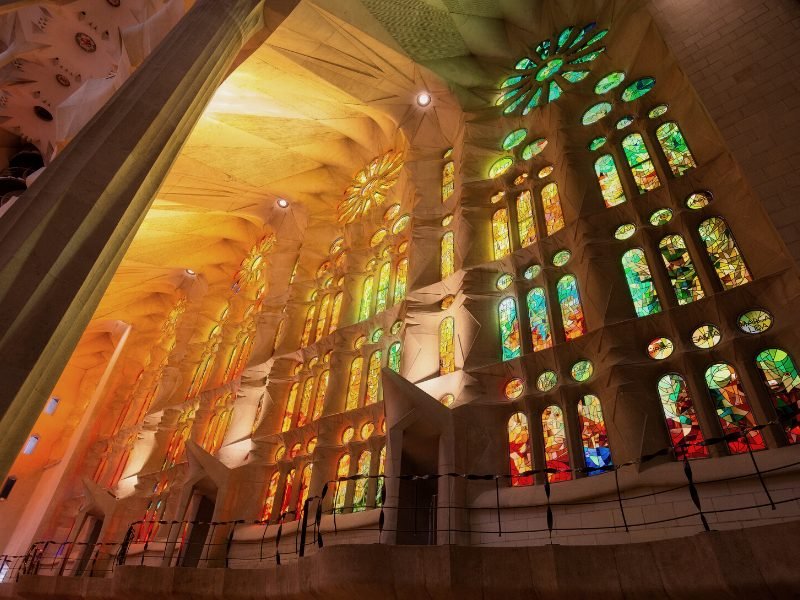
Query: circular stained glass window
x=447, y=400
x=660, y=348
x=514, y=139
x=396, y=326
x=638, y=88
x=521, y=179
x=658, y=111
x=623, y=232
x=359, y=343
x=597, y=143
x=532, y=271
x=609, y=82
x=706, y=336
x=596, y=113
x=280, y=453
x=698, y=200
x=500, y=167
x=624, y=122
x=534, y=148
x=401, y=224
x=447, y=220
x=546, y=381
x=754, y=321
x=391, y=212
x=348, y=434
x=337, y=246
x=377, y=335
x=561, y=258
x=661, y=217
x=379, y=236
x=366, y=430
x=504, y=281
x=312, y=444
x=546, y=172
x=497, y=197
x=582, y=370
x=514, y=388
x=447, y=302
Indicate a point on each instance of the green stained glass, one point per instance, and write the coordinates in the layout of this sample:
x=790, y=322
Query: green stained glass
x=533, y=102
x=579, y=38
x=609, y=82
x=514, y=139
x=597, y=143
x=504, y=281
x=658, y=111
x=706, y=336
x=780, y=376
x=366, y=299
x=596, y=38
x=755, y=321
x=540, y=323
x=384, y=283
x=532, y=271
x=534, y=148
x=582, y=370
x=354, y=383
x=610, y=183
x=525, y=219
x=550, y=69
x=676, y=150
x=543, y=49
x=394, y=357
x=373, y=378
x=724, y=253
x=623, y=232
x=377, y=335
x=596, y=113
x=509, y=329
x=681, y=270
x=505, y=97
x=587, y=58
x=638, y=88
x=396, y=327
x=732, y=406
x=640, y=283
x=515, y=105
x=575, y=76
x=661, y=217
x=660, y=348
x=698, y=200
x=546, y=381
x=561, y=258
x=572, y=315
x=524, y=64
x=624, y=122
x=563, y=38
x=401, y=281
x=555, y=92
x=640, y=163
x=546, y=172
x=511, y=81
x=500, y=167
x=500, y=234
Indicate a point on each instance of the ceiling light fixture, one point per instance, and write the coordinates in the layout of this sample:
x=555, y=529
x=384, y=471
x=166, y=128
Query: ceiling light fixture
x=190, y=272
x=424, y=99
x=283, y=202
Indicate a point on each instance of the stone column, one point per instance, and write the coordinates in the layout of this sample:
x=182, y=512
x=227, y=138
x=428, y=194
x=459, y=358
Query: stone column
x=62, y=241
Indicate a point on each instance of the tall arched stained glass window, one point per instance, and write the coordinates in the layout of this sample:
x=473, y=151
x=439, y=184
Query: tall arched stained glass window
x=448, y=180
x=684, y=430
x=447, y=264
x=401, y=281
x=556, y=452
x=675, y=148
x=724, y=253
x=779, y=373
x=394, y=357
x=732, y=406
x=501, y=238
x=305, y=402
x=373, y=379
x=640, y=283
x=610, y=183
x=354, y=383
x=319, y=398
x=287, y=492
x=342, y=470
x=553, y=215
x=302, y=495
x=336, y=312
x=540, y=324
x=509, y=328
x=571, y=309
x=366, y=299
x=384, y=283
x=519, y=450
x=308, y=326
x=269, y=500
x=288, y=415
x=447, y=346
x=525, y=219
x=680, y=269
x=362, y=485
x=380, y=483
x=596, y=451
x=323, y=316
x=644, y=173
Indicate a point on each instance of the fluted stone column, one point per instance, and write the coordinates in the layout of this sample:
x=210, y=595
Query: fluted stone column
x=62, y=241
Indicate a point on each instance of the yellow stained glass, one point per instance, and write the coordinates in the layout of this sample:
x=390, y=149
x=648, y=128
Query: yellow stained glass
x=354, y=383
x=448, y=256
x=553, y=215
x=342, y=470
x=373, y=379
x=323, y=315
x=401, y=281
x=288, y=415
x=501, y=238
x=336, y=312
x=319, y=399
x=525, y=219
x=447, y=348
x=306, y=337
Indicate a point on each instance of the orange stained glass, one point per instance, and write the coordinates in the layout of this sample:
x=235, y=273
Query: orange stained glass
x=336, y=312
x=305, y=338
x=278, y=335
x=354, y=383
x=342, y=470
x=519, y=450
x=305, y=483
x=269, y=500
x=525, y=219
x=305, y=402
x=553, y=215
x=288, y=415
x=555, y=444
x=319, y=399
x=323, y=316
x=373, y=379
x=447, y=347
x=287, y=492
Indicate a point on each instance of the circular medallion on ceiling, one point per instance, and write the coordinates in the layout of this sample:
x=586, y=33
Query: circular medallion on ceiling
x=86, y=43
x=63, y=80
x=114, y=3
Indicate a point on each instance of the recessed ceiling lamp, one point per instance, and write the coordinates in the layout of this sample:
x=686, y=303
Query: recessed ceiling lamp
x=190, y=272
x=283, y=202
x=424, y=99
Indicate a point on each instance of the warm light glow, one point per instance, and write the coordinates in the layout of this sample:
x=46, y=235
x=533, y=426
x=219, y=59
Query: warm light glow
x=424, y=99
x=283, y=202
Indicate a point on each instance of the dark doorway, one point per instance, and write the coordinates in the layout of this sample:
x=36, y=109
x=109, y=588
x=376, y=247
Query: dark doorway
x=198, y=532
x=91, y=533
x=416, y=520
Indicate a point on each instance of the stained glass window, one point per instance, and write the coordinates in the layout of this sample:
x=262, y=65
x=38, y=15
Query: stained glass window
x=509, y=329
x=384, y=283
x=514, y=388
x=342, y=470
x=287, y=492
x=362, y=485
x=532, y=272
x=540, y=323
x=504, y=281
x=779, y=373
x=380, y=482
x=609, y=82
x=448, y=258
x=519, y=450
x=724, y=253
x=322, y=389
x=571, y=309
x=658, y=111
x=684, y=430
x=525, y=220
x=732, y=406
x=500, y=167
x=546, y=381
x=447, y=347
x=582, y=370
x=555, y=444
x=448, y=180
x=596, y=452
x=706, y=336
x=373, y=379
x=675, y=148
x=514, y=139
x=305, y=403
x=638, y=88
x=561, y=258
x=660, y=348
x=640, y=163
x=336, y=312
x=610, y=183
x=698, y=200
x=500, y=235
x=553, y=216
x=366, y=299
x=680, y=269
x=354, y=383
x=269, y=499
x=401, y=281
x=323, y=316
x=394, y=357
x=596, y=113
x=597, y=143
x=302, y=495
x=309, y=324
x=640, y=283
x=661, y=217
x=288, y=415
x=754, y=321
x=534, y=148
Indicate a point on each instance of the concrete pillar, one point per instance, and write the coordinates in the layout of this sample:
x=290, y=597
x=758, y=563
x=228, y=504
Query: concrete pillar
x=61, y=243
